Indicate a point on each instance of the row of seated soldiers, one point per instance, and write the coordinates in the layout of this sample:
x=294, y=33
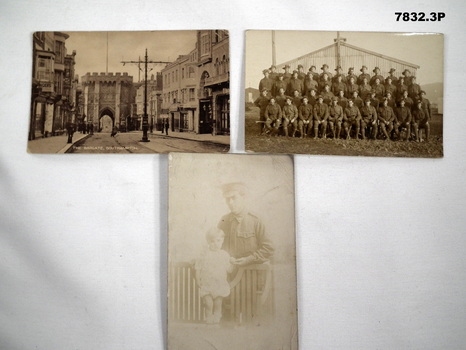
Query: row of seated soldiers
x=327, y=82
x=370, y=117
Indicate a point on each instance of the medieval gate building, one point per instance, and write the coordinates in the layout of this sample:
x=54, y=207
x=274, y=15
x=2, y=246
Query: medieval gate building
x=107, y=100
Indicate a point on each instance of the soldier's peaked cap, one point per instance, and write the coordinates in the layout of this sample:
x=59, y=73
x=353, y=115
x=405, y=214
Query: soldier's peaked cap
x=406, y=70
x=239, y=187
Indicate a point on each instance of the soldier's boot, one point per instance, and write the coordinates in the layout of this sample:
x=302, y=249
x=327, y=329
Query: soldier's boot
x=347, y=131
x=416, y=133
x=384, y=130
x=363, y=132
x=374, y=132
x=427, y=132
x=316, y=131
x=285, y=129
x=357, y=133
x=301, y=132
x=338, y=131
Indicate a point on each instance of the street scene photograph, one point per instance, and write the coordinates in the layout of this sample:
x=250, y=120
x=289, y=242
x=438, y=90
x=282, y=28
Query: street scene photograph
x=344, y=93
x=231, y=252
x=130, y=92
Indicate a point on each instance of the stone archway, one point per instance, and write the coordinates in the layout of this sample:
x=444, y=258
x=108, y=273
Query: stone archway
x=106, y=120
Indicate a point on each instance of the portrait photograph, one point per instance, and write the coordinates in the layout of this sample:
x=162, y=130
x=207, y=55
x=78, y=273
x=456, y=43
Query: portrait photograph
x=130, y=92
x=231, y=252
x=344, y=93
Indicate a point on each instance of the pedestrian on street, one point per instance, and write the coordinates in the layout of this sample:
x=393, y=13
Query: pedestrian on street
x=70, y=131
x=114, y=131
x=166, y=127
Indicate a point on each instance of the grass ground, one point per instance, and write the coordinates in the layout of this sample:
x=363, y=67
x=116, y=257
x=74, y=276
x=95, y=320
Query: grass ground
x=373, y=148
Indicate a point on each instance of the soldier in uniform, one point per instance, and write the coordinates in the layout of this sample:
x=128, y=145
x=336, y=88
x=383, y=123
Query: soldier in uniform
x=320, y=117
x=363, y=75
x=297, y=98
x=401, y=88
x=246, y=239
x=338, y=84
x=281, y=97
x=392, y=76
x=351, y=87
x=357, y=101
x=290, y=116
x=368, y=120
x=310, y=83
x=375, y=102
x=305, y=116
x=379, y=89
x=327, y=95
x=390, y=100
x=301, y=74
x=376, y=76
x=273, y=117
x=262, y=102
x=273, y=73
x=315, y=75
x=386, y=118
x=426, y=104
x=351, y=74
x=408, y=100
x=335, y=118
x=364, y=89
x=342, y=100
x=266, y=82
x=351, y=118
x=414, y=90
x=407, y=76
x=325, y=70
x=312, y=97
x=325, y=80
x=389, y=86
x=287, y=74
x=339, y=71
x=295, y=84
x=403, y=120
x=420, y=121
x=279, y=83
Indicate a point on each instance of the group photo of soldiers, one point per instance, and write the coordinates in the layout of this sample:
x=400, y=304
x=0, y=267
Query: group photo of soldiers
x=361, y=104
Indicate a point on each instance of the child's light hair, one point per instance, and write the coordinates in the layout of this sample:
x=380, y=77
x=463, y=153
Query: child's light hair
x=213, y=233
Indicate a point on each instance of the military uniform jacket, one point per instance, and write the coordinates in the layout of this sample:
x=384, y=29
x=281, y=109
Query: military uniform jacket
x=295, y=84
x=426, y=107
x=390, y=88
x=409, y=102
x=364, y=90
x=419, y=116
x=290, y=112
x=278, y=85
x=320, y=111
x=362, y=76
x=414, y=90
x=297, y=101
x=343, y=102
x=322, y=84
x=273, y=112
x=245, y=236
x=281, y=100
x=375, y=102
x=336, y=87
x=358, y=102
x=310, y=84
x=403, y=115
x=266, y=83
x=386, y=114
x=336, y=112
x=287, y=77
x=302, y=76
x=352, y=114
x=312, y=100
x=327, y=95
x=368, y=113
x=350, y=88
x=402, y=88
x=349, y=76
x=262, y=102
x=378, y=76
x=273, y=76
x=394, y=79
x=379, y=90
x=329, y=75
x=305, y=112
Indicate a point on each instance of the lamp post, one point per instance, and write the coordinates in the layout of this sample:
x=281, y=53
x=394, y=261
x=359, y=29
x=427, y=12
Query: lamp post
x=145, y=123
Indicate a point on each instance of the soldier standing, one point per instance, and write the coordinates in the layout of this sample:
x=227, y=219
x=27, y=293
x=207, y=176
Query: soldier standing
x=351, y=87
x=351, y=75
x=301, y=74
x=325, y=70
x=407, y=76
x=357, y=101
x=376, y=76
x=363, y=75
x=295, y=84
x=338, y=85
x=339, y=72
x=390, y=87
x=273, y=73
x=262, y=102
x=266, y=82
x=392, y=76
x=281, y=97
x=342, y=100
x=287, y=74
x=297, y=98
x=310, y=83
x=315, y=75
x=327, y=95
x=379, y=89
x=278, y=84
x=414, y=90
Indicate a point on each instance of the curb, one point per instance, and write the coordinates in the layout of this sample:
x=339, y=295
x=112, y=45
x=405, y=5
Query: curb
x=68, y=146
x=188, y=139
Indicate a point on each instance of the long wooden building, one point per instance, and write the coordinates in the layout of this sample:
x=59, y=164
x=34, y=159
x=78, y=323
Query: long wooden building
x=347, y=55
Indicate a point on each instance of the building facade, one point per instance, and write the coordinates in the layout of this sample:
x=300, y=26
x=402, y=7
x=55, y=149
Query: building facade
x=196, y=95
x=154, y=93
x=53, y=94
x=107, y=100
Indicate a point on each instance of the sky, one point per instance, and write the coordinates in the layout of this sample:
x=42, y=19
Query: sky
x=91, y=50
x=424, y=50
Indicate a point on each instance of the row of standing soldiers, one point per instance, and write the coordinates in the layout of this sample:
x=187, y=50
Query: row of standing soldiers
x=370, y=117
x=331, y=84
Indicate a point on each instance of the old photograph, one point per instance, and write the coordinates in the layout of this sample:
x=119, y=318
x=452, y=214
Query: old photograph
x=231, y=253
x=344, y=93
x=130, y=92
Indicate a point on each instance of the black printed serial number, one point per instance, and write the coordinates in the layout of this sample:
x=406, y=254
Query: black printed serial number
x=419, y=16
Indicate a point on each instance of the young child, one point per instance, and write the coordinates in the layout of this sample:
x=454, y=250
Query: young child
x=211, y=275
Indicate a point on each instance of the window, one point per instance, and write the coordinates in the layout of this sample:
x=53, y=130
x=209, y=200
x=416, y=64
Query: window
x=191, y=72
x=176, y=75
x=182, y=73
x=191, y=94
x=217, y=66
x=205, y=44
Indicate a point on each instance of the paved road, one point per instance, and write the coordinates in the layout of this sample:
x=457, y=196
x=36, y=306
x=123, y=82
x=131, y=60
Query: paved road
x=129, y=143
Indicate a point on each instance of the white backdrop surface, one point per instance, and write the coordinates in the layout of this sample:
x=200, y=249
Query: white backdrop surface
x=381, y=241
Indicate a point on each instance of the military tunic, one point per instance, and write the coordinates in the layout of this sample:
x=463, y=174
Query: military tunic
x=245, y=236
x=364, y=90
x=295, y=84
x=362, y=76
x=262, y=102
x=266, y=83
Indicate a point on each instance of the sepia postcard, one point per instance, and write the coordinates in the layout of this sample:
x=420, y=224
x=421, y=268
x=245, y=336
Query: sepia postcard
x=344, y=93
x=130, y=92
x=231, y=252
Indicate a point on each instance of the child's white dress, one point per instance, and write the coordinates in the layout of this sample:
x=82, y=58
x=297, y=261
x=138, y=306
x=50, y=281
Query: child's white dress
x=213, y=269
